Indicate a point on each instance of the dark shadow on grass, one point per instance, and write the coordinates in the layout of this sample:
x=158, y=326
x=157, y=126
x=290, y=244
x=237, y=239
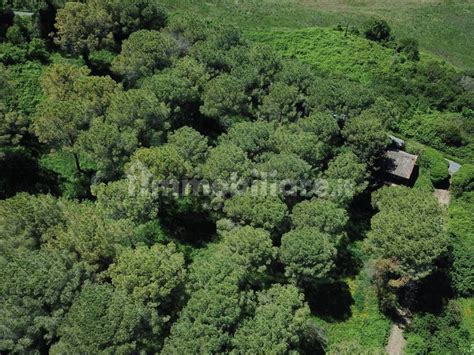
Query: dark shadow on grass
x=187, y=223
x=329, y=301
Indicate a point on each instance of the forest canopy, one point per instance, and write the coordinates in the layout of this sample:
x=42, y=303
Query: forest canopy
x=172, y=184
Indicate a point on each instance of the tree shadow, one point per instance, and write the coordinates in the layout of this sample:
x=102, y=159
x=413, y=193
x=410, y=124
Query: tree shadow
x=329, y=301
x=187, y=223
x=20, y=172
x=429, y=295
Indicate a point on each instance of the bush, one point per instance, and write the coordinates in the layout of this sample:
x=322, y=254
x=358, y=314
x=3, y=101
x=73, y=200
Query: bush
x=409, y=47
x=439, y=130
x=100, y=61
x=439, y=172
x=377, y=30
x=36, y=50
x=424, y=182
x=438, y=334
x=437, y=166
x=462, y=270
x=463, y=180
x=11, y=54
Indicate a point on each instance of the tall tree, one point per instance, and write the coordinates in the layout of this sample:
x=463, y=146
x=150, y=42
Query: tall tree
x=144, y=53
x=408, y=232
x=322, y=214
x=257, y=209
x=279, y=325
x=25, y=218
x=36, y=290
x=102, y=320
x=308, y=253
x=83, y=27
x=366, y=137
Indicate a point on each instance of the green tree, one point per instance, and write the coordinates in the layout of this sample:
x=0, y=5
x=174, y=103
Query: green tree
x=144, y=53
x=102, y=320
x=308, y=253
x=25, y=218
x=140, y=111
x=152, y=275
x=192, y=145
x=134, y=15
x=409, y=47
x=283, y=166
x=346, y=177
x=118, y=201
x=59, y=123
x=408, y=231
x=107, y=146
x=377, y=30
x=224, y=98
x=90, y=236
x=463, y=180
x=278, y=326
x=321, y=214
x=342, y=98
x=225, y=161
x=58, y=80
x=282, y=104
x=242, y=250
x=163, y=162
x=254, y=138
x=73, y=100
x=257, y=209
x=216, y=281
x=205, y=324
x=180, y=86
x=311, y=138
x=366, y=137
x=36, y=290
x=83, y=27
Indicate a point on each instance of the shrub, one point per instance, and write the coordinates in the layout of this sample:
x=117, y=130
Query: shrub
x=463, y=180
x=101, y=61
x=438, y=334
x=437, y=166
x=11, y=54
x=377, y=30
x=409, y=47
x=36, y=50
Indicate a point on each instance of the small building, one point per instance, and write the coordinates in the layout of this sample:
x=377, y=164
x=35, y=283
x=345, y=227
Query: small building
x=400, y=166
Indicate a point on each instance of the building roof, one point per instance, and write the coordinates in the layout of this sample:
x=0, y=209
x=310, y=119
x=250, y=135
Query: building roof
x=398, y=142
x=400, y=163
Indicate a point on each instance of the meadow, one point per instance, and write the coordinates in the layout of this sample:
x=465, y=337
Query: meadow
x=442, y=27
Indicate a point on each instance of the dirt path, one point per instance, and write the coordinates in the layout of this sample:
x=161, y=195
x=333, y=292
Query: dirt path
x=443, y=196
x=396, y=342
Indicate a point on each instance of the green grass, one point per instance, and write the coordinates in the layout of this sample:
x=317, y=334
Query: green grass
x=72, y=184
x=467, y=309
x=330, y=51
x=367, y=326
x=443, y=27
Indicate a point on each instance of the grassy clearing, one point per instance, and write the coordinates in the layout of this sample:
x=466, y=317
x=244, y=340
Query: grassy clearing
x=367, y=327
x=443, y=27
x=330, y=51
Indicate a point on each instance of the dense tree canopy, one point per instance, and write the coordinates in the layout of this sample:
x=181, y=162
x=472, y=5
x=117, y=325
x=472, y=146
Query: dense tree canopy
x=172, y=184
x=412, y=242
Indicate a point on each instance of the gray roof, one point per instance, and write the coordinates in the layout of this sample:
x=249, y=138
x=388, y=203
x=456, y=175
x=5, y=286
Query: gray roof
x=400, y=143
x=400, y=163
x=453, y=167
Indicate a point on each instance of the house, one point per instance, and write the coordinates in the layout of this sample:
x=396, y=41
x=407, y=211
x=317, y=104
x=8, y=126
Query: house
x=400, y=166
